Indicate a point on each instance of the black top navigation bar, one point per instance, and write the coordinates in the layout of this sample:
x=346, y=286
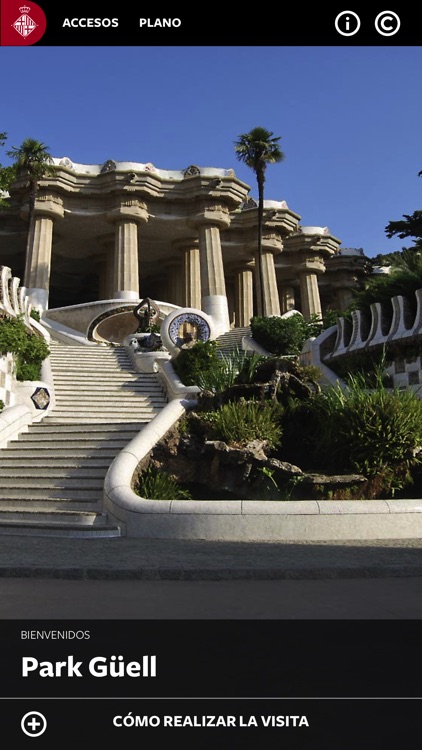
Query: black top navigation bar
x=131, y=24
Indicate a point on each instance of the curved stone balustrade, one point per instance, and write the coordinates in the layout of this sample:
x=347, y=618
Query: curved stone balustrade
x=15, y=302
x=387, y=324
x=13, y=298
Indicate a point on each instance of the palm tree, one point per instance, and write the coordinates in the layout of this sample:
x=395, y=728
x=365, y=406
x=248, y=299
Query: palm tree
x=256, y=149
x=31, y=158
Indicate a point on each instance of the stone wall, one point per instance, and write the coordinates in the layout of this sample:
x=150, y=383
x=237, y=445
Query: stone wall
x=394, y=327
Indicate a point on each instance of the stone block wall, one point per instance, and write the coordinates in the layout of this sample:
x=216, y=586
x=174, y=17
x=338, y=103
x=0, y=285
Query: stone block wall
x=394, y=327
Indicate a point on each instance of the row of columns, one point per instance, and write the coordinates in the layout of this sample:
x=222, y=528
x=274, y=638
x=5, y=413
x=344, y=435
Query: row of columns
x=202, y=282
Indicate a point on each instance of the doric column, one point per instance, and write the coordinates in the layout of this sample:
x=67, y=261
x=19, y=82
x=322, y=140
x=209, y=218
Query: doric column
x=126, y=265
x=269, y=284
x=213, y=287
x=287, y=299
x=345, y=297
x=192, y=277
x=309, y=294
x=191, y=296
x=308, y=249
x=175, y=282
x=39, y=247
x=344, y=275
x=106, y=274
x=243, y=290
x=126, y=217
x=271, y=245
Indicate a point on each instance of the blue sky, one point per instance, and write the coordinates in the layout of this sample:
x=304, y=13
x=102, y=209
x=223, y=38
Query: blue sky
x=349, y=120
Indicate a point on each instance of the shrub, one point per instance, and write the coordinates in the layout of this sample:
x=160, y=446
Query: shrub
x=159, y=485
x=405, y=278
x=28, y=371
x=236, y=367
x=191, y=363
x=242, y=421
x=370, y=431
x=13, y=335
x=284, y=336
x=29, y=349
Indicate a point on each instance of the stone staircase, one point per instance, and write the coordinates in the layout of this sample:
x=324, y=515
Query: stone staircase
x=232, y=340
x=51, y=478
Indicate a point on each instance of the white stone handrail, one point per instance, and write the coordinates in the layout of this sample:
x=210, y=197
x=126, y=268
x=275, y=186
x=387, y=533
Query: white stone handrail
x=384, y=326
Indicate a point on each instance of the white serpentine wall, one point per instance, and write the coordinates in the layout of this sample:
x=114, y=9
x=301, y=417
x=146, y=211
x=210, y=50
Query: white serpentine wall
x=387, y=325
x=20, y=409
x=241, y=520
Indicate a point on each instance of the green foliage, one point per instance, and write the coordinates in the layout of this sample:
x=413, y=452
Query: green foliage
x=386, y=259
x=369, y=431
x=159, y=485
x=190, y=364
x=404, y=279
x=366, y=363
x=309, y=373
x=35, y=315
x=330, y=318
x=1, y=405
x=258, y=148
x=29, y=349
x=240, y=422
x=7, y=175
x=409, y=226
x=229, y=369
x=13, y=335
x=284, y=336
x=32, y=158
x=28, y=371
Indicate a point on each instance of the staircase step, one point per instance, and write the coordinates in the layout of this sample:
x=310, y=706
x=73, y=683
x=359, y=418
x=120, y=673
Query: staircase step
x=19, y=527
x=98, y=377
x=54, y=516
x=41, y=493
x=19, y=464
x=92, y=420
x=33, y=482
x=112, y=405
x=24, y=470
x=52, y=476
x=57, y=456
x=94, y=388
x=41, y=504
x=112, y=427
x=83, y=447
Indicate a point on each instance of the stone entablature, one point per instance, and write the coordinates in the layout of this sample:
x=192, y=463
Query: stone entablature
x=128, y=230
x=133, y=166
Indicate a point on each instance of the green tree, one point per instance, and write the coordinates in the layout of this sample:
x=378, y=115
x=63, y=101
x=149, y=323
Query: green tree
x=7, y=175
x=409, y=226
x=404, y=279
x=257, y=149
x=31, y=159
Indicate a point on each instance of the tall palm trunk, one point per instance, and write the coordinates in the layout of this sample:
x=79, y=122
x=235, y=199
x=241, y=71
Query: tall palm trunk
x=257, y=149
x=259, y=279
x=33, y=186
